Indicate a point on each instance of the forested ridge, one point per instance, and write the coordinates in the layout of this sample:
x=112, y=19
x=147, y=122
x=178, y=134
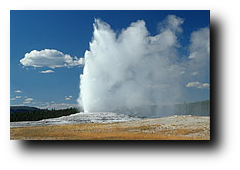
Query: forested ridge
x=24, y=113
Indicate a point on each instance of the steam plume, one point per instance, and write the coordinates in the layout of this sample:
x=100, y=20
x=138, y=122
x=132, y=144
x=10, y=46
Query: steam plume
x=133, y=68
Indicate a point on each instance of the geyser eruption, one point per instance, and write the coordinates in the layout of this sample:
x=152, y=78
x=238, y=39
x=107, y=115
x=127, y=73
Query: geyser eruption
x=132, y=68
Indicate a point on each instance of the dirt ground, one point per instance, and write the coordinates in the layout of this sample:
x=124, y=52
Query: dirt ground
x=167, y=128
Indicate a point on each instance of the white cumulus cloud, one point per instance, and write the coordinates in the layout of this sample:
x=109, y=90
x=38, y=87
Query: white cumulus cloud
x=18, y=91
x=18, y=97
x=28, y=100
x=50, y=58
x=198, y=85
x=47, y=71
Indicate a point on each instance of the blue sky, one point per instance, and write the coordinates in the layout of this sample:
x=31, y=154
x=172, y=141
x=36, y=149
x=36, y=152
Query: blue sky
x=70, y=33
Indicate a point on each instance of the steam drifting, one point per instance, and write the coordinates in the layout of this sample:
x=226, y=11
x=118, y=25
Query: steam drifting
x=135, y=69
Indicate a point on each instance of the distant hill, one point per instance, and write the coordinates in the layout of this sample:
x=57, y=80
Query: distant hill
x=22, y=109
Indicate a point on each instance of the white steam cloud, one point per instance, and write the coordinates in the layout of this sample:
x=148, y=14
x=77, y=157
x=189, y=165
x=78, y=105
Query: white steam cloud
x=134, y=68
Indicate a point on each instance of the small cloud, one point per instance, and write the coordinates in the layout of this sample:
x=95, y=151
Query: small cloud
x=182, y=72
x=59, y=105
x=28, y=99
x=18, y=91
x=204, y=86
x=193, y=84
x=68, y=97
x=47, y=71
x=198, y=85
x=195, y=73
x=14, y=98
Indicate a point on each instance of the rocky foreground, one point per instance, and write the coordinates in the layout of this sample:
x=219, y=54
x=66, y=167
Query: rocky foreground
x=167, y=128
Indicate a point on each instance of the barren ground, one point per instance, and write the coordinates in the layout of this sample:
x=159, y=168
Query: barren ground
x=167, y=128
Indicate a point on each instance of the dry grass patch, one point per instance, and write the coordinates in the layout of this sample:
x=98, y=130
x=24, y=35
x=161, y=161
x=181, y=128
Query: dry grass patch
x=109, y=131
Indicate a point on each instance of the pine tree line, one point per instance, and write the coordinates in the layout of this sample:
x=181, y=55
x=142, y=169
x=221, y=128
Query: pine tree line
x=196, y=108
x=34, y=115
